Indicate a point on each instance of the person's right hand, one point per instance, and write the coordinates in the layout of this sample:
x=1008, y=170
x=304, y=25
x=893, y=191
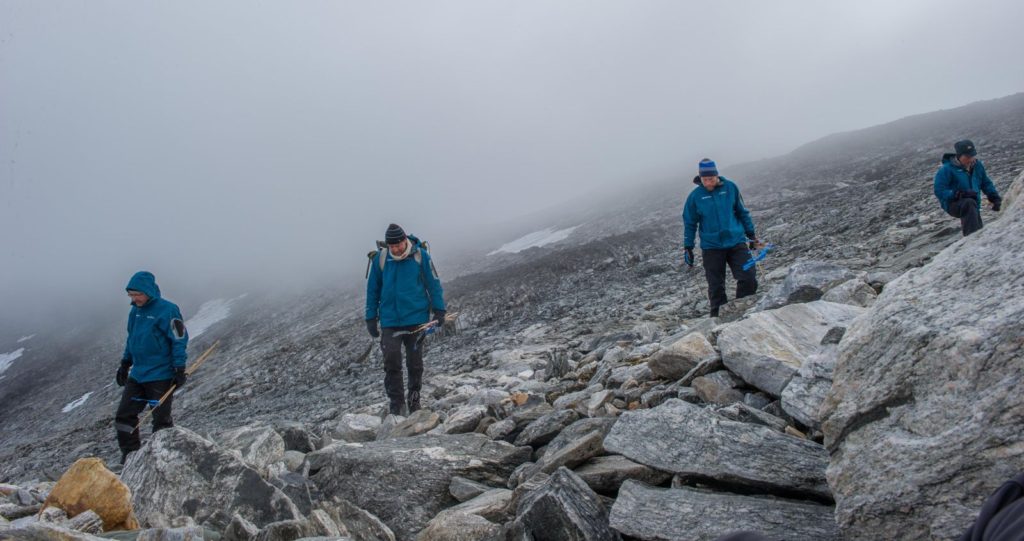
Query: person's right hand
x=688, y=256
x=371, y=327
x=122, y=373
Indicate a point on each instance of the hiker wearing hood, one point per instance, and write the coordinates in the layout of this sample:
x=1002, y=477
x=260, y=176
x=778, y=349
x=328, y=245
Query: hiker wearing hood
x=715, y=209
x=959, y=183
x=401, y=292
x=154, y=358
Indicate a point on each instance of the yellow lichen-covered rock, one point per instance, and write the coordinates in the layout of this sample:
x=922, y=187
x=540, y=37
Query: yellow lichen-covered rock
x=88, y=484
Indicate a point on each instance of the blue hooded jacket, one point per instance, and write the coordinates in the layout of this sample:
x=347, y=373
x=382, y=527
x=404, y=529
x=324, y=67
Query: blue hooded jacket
x=723, y=220
x=953, y=177
x=404, y=292
x=157, y=337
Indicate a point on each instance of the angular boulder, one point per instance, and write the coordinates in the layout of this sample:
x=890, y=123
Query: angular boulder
x=677, y=358
x=260, y=445
x=89, y=485
x=806, y=281
x=924, y=419
x=686, y=514
x=563, y=507
x=405, y=481
x=767, y=348
x=180, y=473
x=605, y=474
x=692, y=442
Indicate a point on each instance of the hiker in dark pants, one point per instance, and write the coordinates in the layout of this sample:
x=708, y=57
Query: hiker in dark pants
x=154, y=358
x=959, y=183
x=715, y=208
x=401, y=292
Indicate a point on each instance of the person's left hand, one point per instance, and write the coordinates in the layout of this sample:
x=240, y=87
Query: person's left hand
x=439, y=318
x=180, y=377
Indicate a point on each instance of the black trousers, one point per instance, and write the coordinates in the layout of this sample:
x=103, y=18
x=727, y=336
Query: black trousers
x=133, y=403
x=714, y=269
x=967, y=210
x=392, y=340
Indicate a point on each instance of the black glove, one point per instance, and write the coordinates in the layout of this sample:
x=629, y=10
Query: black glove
x=996, y=204
x=688, y=256
x=752, y=243
x=122, y=373
x=371, y=327
x=180, y=376
x=439, y=318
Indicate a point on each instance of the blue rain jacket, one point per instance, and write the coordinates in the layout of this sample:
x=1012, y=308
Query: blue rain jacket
x=404, y=292
x=157, y=337
x=720, y=216
x=953, y=177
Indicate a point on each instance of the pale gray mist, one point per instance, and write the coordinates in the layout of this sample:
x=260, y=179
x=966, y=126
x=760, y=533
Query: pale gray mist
x=227, y=145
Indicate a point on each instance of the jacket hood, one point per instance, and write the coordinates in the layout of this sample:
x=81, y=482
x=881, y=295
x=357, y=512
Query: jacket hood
x=948, y=157
x=145, y=282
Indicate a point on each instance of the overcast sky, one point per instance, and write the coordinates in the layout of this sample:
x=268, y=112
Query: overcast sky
x=214, y=142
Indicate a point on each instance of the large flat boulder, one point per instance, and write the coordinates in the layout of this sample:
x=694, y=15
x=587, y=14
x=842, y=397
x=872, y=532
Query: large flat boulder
x=767, y=348
x=686, y=514
x=180, y=473
x=405, y=481
x=924, y=418
x=684, y=439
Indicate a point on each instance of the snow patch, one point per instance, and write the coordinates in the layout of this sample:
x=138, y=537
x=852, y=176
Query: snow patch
x=209, y=313
x=23, y=338
x=7, y=358
x=72, y=405
x=535, y=239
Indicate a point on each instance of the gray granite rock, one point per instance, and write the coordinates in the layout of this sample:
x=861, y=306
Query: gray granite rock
x=806, y=281
x=677, y=358
x=563, y=507
x=605, y=474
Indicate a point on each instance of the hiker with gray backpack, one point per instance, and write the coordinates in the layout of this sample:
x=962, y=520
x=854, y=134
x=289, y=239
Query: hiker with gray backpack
x=404, y=297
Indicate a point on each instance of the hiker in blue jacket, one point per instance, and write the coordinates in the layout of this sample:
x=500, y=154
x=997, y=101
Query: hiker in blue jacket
x=401, y=292
x=959, y=183
x=715, y=208
x=154, y=359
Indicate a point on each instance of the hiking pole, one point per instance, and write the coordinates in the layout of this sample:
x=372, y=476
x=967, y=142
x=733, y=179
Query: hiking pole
x=188, y=372
x=429, y=326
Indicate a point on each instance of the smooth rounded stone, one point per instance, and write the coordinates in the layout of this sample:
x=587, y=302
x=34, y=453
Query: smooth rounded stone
x=675, y=359
x=180, y=473
x=355, y=427
x=856, y=292
x=563, y=507
x=464, y=419
x=924, y=417
x=404, y=481
x=463, y=489
x=726, y=451
x=718, y=388
x=767, y=348
x=687, y=514
x=501, y=429
x=293, y=460
x=260, y=445
x=88, y=484
x=806, y=281
x=418, y=422
x=605, y=474
x=544, y=429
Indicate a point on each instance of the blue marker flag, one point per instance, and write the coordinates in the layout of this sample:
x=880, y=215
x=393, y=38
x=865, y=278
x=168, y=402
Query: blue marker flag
x=763, y=253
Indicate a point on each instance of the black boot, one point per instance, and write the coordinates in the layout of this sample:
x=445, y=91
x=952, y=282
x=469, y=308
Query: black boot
x=714, y=312
x=396, y=408
x=414, y=401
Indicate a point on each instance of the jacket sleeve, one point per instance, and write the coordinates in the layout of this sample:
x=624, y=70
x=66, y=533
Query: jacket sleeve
x=744, y=216
x=177, y=336
x=690, y=220
x=943, y=191
x=127, y=355
x=373, y=287
x=987, y=186
x=433, y=283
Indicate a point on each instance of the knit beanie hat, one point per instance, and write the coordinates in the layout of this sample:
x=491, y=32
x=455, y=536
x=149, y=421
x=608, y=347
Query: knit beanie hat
x=394, y=235
x=707, y=168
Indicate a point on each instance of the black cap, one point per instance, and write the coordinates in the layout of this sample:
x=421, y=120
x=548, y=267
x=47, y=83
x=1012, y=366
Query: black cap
x=394, y=235
x=965, y=147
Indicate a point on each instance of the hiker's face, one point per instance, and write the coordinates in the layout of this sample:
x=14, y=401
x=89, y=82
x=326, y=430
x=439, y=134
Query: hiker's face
x=709, y=182
x=398, y=249
x=138, y=298
x=967, y=160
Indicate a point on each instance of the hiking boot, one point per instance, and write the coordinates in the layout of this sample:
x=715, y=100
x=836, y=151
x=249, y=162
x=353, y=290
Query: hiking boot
x=124, y=455
x=414, y=401
x=714, y=312
x=396, y=408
